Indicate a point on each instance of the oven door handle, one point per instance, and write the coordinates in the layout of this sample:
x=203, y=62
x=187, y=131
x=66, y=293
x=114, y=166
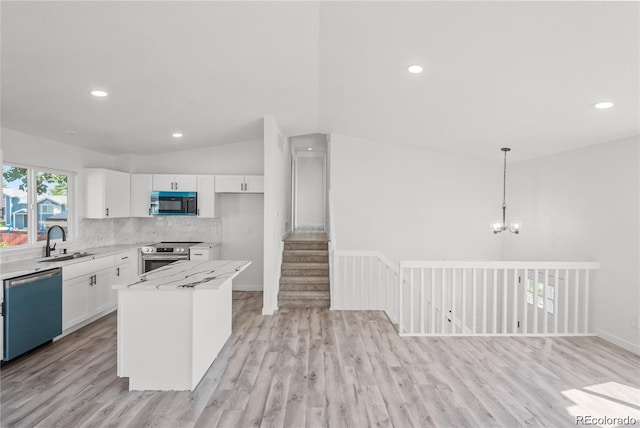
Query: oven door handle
x=156, y=256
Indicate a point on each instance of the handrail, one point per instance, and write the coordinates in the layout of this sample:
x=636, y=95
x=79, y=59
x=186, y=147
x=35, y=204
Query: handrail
x=384, y=259
x=497, y=264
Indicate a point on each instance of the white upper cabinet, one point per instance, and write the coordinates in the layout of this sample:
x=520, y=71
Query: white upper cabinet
x=239, y=183
x=141, y=186
x=175, y=183
x=107, y=193
x=207, y=204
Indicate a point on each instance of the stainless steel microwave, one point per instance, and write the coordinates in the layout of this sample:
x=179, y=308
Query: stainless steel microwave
x=174, y=203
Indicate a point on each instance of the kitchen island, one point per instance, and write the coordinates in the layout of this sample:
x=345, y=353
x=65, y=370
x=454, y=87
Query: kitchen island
x=173, y=321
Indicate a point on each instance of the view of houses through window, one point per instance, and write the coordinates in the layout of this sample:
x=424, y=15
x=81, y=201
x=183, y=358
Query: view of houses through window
x=31, y=192
x=541, y=295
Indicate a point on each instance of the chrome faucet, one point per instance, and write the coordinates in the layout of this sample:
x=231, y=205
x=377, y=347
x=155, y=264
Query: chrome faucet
x=48, y=249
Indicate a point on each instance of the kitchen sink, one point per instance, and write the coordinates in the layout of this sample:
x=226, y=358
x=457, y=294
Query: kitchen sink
x=65, y=257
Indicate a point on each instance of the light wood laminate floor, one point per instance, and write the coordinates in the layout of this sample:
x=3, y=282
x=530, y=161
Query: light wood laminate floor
x=315, y=367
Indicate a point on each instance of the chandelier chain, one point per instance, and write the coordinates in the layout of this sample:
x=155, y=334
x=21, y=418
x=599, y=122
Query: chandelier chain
x=504, y=182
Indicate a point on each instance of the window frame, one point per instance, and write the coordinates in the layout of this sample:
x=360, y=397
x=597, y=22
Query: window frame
x=32, y=204
x=548, y=304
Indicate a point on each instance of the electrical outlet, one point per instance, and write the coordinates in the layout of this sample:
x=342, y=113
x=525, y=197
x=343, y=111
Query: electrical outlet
x=635, y=323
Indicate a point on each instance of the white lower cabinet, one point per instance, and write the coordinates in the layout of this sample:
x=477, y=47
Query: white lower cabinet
x=126, y=268
x=75, y=300
x=204, y=252
x=87, y=286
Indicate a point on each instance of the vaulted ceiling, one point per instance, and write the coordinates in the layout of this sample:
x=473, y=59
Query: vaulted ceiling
x=519, y=74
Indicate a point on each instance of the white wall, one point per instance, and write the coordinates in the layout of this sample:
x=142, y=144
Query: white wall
x=277, y=208
x=583, y=205
x=242, y=236
x=318, y=144
x=413, y=204
x=28, y=149
x=310, y=190
x=237, y=158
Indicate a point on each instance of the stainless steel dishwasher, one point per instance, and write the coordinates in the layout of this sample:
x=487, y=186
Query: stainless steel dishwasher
x=32, y=311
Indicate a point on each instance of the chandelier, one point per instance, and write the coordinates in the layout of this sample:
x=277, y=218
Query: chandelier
x=501, y=225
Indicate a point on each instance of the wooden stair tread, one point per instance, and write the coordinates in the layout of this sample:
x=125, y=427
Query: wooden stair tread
x=305, y=265
x=293, y=286
x=293, y=294
x=306, y=252
x=303, y=279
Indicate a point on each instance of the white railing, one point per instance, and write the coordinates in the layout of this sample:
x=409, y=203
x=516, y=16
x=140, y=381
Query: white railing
x=494, y=298
x=364, y=280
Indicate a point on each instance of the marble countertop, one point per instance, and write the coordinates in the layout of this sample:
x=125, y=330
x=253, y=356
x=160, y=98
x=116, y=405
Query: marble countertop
x=188, y=275
x=24, y=267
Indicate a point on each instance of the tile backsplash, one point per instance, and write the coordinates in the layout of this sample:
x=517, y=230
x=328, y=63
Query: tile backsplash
x=176, y=228
x=99, y=233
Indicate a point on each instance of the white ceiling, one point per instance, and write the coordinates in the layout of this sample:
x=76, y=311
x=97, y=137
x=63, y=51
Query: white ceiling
x=519, y=74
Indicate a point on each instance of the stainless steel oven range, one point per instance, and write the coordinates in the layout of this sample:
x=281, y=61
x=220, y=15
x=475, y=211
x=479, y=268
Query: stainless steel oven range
x=157, y=255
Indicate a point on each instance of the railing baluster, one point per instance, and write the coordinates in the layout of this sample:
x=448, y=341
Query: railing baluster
x=544, y=302
x=343, y=285
x=432, y=304
x=473, y=308
x=400, y=293
x=442, y=311
x=566, y=301
x=422, y=299
x=586, y=301
x=495, y=301
x=453, y=301
x=353, y=281
x=576, y=303
x=515, y=301
x=535, y=301
x=556, y=290
x=485, y=314
x=524, y=279
x=464, y=300
x=411, y=300
x=380, y=303
x=372, y=295
x=504, y=301
x=335, y=282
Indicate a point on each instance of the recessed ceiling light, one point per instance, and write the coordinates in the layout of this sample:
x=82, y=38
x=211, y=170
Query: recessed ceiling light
x=309, y=148
x=415, y=69
x=176, y=135
x=603, y=105
x=99, y=93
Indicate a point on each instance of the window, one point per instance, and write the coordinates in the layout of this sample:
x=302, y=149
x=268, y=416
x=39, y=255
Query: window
x=540, y=292
x=35, y=199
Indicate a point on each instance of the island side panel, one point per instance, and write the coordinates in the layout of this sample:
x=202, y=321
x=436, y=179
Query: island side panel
x=211, y=327
x=156, y=338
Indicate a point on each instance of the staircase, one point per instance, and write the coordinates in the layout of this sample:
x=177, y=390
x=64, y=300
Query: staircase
x=304, y=278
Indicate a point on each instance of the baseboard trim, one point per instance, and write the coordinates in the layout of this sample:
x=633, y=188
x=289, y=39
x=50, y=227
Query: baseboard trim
x=629, y=346
x=248, y=287
x=267, y=311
